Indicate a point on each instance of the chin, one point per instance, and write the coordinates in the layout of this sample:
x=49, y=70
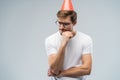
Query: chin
x=60, y=31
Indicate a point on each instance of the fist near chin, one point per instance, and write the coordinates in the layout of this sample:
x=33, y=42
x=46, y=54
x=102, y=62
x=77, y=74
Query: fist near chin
x=67, y=34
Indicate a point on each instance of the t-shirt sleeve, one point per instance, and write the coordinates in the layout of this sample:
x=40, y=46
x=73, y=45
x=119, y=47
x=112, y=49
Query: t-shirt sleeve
x=50, y=47
x=88, y=46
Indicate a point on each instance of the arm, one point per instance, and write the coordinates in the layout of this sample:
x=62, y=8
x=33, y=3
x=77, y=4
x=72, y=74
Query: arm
x=84, y=69
x=56, y=60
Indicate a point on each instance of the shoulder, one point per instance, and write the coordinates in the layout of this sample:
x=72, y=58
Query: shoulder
x=52, y=37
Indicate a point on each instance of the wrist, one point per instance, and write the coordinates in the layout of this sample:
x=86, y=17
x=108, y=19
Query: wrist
x=60, y=75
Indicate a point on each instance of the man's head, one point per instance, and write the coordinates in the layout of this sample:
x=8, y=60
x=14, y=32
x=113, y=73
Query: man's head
x=66, y=20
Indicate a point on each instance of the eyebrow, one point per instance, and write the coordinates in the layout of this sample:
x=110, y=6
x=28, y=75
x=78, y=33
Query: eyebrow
x=64, y=22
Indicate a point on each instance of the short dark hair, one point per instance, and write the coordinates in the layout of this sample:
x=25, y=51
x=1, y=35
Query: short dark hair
x=65, y=13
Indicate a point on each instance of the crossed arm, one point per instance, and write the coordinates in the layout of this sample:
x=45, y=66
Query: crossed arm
x=81, y=70
x=76, y=71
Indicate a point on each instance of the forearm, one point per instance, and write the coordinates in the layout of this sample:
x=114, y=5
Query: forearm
x=57, y=64
x=76, y=72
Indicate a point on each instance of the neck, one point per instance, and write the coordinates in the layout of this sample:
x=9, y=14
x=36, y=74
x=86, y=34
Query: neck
x=74, y=32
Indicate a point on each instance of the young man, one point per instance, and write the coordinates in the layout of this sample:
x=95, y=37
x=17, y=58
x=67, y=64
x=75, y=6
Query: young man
x=69, y=51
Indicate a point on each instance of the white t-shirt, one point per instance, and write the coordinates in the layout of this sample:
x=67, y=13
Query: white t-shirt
x=77, y=46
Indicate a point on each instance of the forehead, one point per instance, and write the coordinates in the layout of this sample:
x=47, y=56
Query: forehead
x=67, y=19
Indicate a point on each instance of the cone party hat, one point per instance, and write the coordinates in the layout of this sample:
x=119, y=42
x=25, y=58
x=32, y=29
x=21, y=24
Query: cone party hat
x=67, y=5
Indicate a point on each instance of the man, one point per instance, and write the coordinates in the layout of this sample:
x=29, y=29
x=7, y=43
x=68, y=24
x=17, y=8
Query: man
x=69, y=51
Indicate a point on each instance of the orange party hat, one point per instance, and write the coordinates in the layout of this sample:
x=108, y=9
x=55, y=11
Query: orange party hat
x=67, y=5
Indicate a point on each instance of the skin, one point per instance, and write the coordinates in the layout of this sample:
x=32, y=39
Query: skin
x=56, y=60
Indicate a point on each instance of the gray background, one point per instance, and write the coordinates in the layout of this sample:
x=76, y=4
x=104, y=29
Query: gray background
x=24, y=25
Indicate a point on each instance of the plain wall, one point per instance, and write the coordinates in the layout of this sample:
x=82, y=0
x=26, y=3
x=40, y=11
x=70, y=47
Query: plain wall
x=24, y=25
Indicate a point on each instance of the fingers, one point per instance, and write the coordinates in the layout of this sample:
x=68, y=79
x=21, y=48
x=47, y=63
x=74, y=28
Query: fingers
x=50, y=73
x=68, y=34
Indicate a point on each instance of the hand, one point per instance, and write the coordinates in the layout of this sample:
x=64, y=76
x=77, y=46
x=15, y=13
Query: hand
x=67, y=35
x=50, y=73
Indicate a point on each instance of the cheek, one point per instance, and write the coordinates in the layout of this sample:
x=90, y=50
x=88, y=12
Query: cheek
x=69, y=28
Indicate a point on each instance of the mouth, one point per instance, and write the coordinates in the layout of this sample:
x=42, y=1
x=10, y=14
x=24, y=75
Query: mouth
x=61, y=31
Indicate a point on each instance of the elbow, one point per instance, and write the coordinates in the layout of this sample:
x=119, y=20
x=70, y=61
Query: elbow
x=88, y=71
x=54, y=70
